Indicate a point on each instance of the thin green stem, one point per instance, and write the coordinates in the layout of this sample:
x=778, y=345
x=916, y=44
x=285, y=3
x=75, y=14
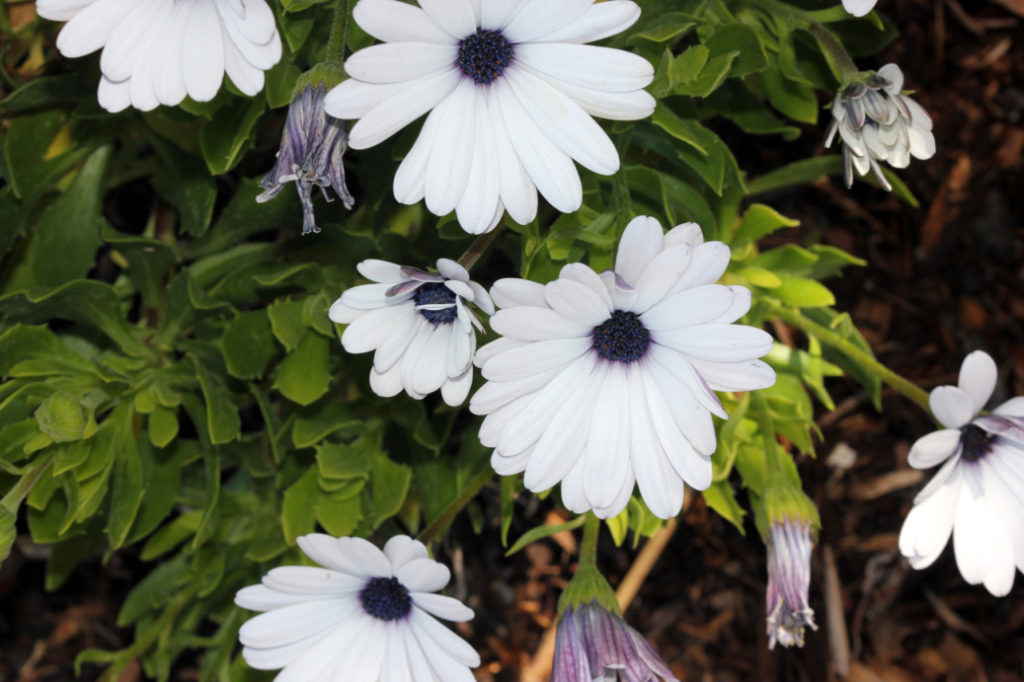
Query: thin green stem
x=767, y=429
x=339, y=34
x=12, y=500
x=830, y=15
x=906, y=387
x=477, y=248
x=428, y=534
x=836, y=55
x=588, y=550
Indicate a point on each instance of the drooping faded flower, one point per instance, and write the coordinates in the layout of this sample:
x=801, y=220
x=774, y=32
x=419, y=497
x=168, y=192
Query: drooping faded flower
x=511, y=89
x=978, y=494
x=603, y=381
x=367, y=615
x=419, y=325
x=595, y=644
x=789, y=581
x=158, y=51
x=876, y=124
x=311, y=154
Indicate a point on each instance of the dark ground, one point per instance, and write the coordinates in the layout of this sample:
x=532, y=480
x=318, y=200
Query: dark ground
x=941, y=280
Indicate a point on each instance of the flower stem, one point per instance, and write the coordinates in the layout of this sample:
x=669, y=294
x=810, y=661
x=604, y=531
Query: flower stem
x=477, y=248
x=428, y=534
x=836, y=55
x=339, y=34
x=767, y=429
x=906, y=387
x=588, y=550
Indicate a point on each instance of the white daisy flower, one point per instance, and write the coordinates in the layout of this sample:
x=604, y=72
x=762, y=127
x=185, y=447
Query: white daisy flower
x=978, y=494
x=877, y=123
x=418, y=324
x=367, y=615
x=158, y=51
x=603, y=380
x=510, y=87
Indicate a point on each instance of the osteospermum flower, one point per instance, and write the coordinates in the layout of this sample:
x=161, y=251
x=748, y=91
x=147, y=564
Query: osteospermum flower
x=593, y=643
x=978, y=494
x=311, y=154
x=789, y=581
x=419, y=325
x=367, y=615
x=876, y=123
x=158, y=51
x=510, y=87
x=605, y=380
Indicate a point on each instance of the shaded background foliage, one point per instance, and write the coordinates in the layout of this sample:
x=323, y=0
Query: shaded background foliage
x=166, y=353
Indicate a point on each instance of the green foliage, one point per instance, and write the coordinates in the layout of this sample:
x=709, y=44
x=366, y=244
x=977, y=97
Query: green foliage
x=172, y=384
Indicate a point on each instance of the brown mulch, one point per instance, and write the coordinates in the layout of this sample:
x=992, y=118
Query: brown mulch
x=941, y=280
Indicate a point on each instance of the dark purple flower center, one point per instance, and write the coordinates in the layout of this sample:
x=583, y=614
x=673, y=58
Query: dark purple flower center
x=622, y=337
x=484, y=55
x=386, y=599
x=436, y=293
x=975, y=442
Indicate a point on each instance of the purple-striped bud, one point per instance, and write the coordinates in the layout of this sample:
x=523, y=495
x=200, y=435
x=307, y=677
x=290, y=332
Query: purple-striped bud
x=311, y=155
x=789, y=581
x=596, y=644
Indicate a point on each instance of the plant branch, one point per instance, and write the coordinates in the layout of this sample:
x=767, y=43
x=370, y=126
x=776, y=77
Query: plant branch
x=906, y=387
x=477, y=248
x=428, y=534
x=339, y=34
x=767, y=429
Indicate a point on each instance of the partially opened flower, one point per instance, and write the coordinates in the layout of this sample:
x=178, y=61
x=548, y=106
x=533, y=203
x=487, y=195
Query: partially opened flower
x=593, y=643
x=367, y=615
x=419, y=325
x=604, y=380
x=311, y=154
x=876, y=123
x=978, y=494
x=511, y=89
x=159, y=51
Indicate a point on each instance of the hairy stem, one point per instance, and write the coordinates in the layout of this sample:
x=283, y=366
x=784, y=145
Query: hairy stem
x=428, y=534
x=838, y=58
x=588, y=550
x=478, y=247
x=339, y=34
x=906, y=387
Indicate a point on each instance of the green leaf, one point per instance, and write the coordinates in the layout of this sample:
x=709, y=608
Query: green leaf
x=390, y=482
x=163, y=426
x=313, y=427
x=287, y=321
x=222, y=418
x=759, y=221
x=618, y=526
x=672, y=25
x=711, y=76
x=127, y=491
x=304, y=375
x=796, y=173
x=227, y=135
x=298, y=510
x=171, y=535
x=340, y=516
x=248, y=345
x=802, y=292
x=8, y=533
x=721, y=497
x=34, y=153
x=338, y=461
x=62, y=246
x=62, y=418
x=541, y=532
x=741, y=38
x=795, y=100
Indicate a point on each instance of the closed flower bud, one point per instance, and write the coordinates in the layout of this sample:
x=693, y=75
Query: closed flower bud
x=876, y=123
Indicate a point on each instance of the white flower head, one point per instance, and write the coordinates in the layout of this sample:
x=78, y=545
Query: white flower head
x=978, y=494
x=158, y=51
x=510, y=87
x=367, y=615
x=876, y=123
x=604, y=380
x=418, y=324
x=859, y=8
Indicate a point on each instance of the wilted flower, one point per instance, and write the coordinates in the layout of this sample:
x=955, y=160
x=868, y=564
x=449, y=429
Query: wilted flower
x=594, y=644
x=311, y=154
x=418, y=323
x=978, y=494
x=511, y=90
x=877, y=123
x=604, y=381
x=158, y=52
x=789, y=580
x=367, y=615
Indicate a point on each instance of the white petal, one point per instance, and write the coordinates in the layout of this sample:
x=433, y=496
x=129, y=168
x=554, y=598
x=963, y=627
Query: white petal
x=452, y=156
x=294, y=623
x=312, y=580
x=442, y=606
x=691, y=466
x=354, y=556
x=495, y=14
x=615, y=106
x=590, y=66
x=368, y=646
x=642, y=240
x=951, y=406
x=114, y=97
x=368, y=331
x=429, y=630
x=423, y=575
x=679, y=367
x=410, y=183
x=978, y=378
x=399, y=62
x=92, y=27
x=745, y=375
x=694, y=306
x=550, y=169
x=354, y=99
x=534, y=358
x=455, y=390
x=659, y=276
x=537, y=18
x=380, y=271
x=399, y=109
x=203, y=56
x=717, y=342
x=386, y=384
x=1014, y=407
x=606, y=462
x=559, y=448
x=323, y=658
x=934, y=448
x=389, y=20
x=395, y=346
x=444, y=666
x=262, y=598
x=536, y=324
x=518, y=192
x=455, y=17
x=475, y=210
x=660, y=486
x=930, y=523
x=973, y=538
x=600, y=20
x=691, y=417
x=401, y=549
x=495, y=394
x=577, y=303
x=512, y=291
